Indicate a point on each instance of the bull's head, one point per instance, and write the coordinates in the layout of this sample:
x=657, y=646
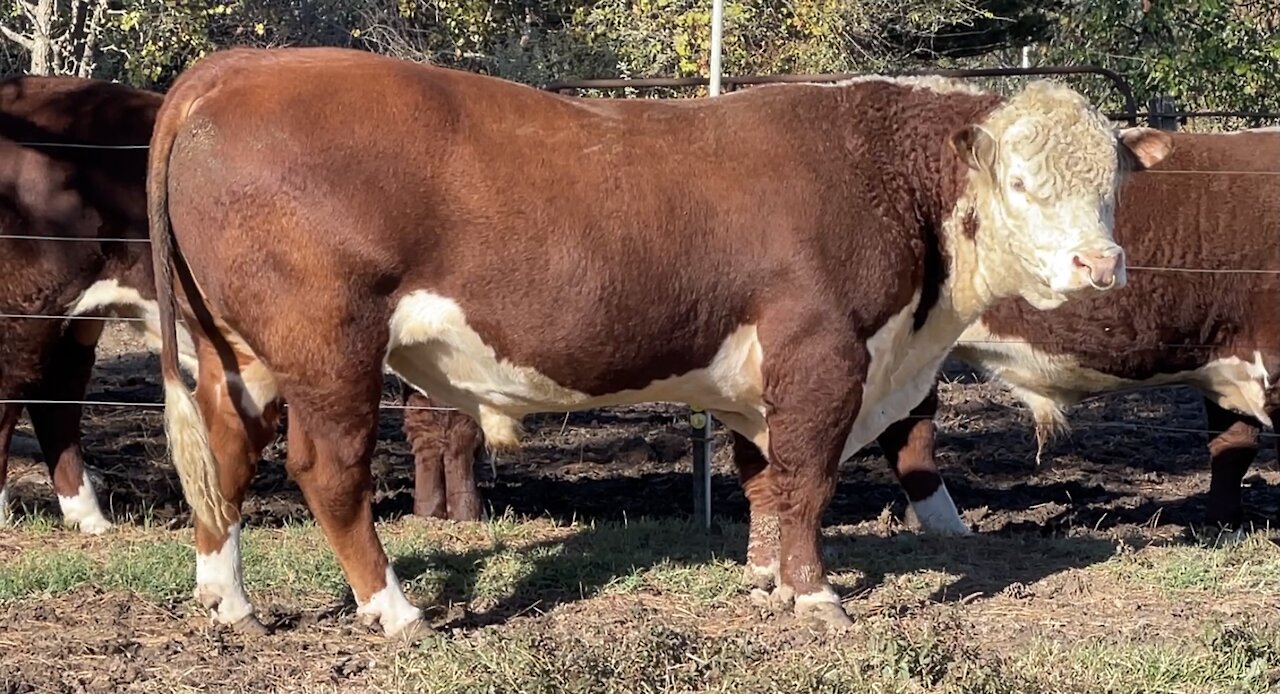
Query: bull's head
x=1046, y=167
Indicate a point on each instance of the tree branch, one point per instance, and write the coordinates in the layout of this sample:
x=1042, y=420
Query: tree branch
x=22, y=40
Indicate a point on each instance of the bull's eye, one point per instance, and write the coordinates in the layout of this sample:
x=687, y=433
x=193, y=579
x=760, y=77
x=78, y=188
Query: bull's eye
x=1018, y=185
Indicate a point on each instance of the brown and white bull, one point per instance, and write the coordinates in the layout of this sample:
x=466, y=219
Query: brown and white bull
x=72, y=166
x=322, y=215
x=1202, y=309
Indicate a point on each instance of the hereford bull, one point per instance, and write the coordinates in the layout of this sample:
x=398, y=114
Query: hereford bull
x=322, y=214
x=1214, y=204
x=57, y=180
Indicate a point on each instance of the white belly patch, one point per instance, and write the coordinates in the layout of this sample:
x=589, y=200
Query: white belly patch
x=1230, y=382
x=903, y=365
x=433, y=348
x=111, y=298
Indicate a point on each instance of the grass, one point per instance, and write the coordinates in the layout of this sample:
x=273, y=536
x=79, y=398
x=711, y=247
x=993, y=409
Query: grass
x=655, y=606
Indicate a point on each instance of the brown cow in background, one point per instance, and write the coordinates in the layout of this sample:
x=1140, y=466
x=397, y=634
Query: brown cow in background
x=48, y=188
x=98, y=192
x=446, y=445
x=1214, y=204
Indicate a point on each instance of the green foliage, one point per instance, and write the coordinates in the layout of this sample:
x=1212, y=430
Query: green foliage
x=1208, y=54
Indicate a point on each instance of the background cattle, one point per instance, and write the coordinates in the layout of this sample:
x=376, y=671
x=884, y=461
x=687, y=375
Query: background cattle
x=513, y=251
x=446, y=446
x=97, y=193
x=1195, y=313
x=48, y=189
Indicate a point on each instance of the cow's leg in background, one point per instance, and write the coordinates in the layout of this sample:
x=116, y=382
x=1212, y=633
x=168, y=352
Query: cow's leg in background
x=9, y=414
x=240, y=410
x=813, y=384
x=57, y=426
x=445, y=446
x=332, y=431
x=1233, y=446
x=761, y=572
x=908, y=445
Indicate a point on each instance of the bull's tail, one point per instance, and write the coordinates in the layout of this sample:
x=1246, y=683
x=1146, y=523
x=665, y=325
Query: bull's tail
x=188, y=437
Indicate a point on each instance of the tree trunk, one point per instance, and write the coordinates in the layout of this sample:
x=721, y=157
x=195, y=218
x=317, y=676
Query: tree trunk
x=42, y=51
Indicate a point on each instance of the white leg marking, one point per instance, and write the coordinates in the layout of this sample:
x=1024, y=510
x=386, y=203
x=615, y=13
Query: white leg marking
x=390, y=607
x=938, y=515
x=765, y=573
x=220, y=581
x=823, y=595
x=4, y=504
x=82, y=510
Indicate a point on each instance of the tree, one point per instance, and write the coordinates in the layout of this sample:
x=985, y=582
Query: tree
x=61, y=39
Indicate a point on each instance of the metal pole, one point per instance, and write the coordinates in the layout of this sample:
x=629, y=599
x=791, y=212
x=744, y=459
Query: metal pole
x=700, y=420
x=701, y=439
x=717, y=45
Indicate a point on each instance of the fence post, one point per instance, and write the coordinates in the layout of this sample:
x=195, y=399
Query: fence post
x=1158, y=108
x=701, y=440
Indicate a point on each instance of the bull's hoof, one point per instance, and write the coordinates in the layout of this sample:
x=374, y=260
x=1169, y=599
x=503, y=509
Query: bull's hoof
x=758, y=577
x=95, y=526
x=412, y=632
x=828, y=615
x=250, y=625
x=781, y=599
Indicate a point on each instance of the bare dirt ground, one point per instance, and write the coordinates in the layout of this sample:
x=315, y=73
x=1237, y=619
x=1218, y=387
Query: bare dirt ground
x=607, y=467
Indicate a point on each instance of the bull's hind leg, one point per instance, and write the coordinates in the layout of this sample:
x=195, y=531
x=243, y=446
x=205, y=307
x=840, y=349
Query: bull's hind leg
x=331, y=438
x=908, y=444
x=57, y=426
x=240, y=409
x=813, y=391
x=9, y=414
x=1232, y=449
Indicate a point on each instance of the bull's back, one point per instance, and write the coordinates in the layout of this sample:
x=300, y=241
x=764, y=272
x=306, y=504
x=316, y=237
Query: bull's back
x=557, y=224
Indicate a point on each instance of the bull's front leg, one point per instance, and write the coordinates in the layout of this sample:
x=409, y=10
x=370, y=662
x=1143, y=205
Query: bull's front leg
x=9, y=414
x=761, y=572
x=813, y=394
x=908, y=445
x=1233, y=446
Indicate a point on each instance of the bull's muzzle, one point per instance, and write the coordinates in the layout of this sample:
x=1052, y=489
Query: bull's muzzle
x=1101, y=269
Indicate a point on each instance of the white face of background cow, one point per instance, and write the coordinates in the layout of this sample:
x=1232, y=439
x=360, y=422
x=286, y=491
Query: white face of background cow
x=1047, y=166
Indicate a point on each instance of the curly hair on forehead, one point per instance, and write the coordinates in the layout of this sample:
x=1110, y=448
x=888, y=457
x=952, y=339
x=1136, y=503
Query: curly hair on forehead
x=1062, y=137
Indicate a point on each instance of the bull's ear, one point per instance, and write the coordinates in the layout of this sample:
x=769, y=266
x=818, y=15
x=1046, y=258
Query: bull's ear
x=976, y=147
x=1145, y=147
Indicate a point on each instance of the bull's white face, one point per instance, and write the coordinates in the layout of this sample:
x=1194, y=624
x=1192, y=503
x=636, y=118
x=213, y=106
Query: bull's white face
x=1047, y=169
